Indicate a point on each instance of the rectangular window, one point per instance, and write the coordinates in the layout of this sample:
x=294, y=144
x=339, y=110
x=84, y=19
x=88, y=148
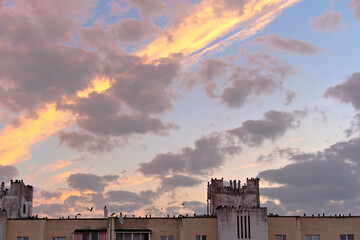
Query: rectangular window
x=280, y=237
x=238, y=229
x=167, y=238
x=58, y=238
x=346, y=237
x=201, y=237
x=22, y=238
x=24, y=208
x=85, y=236
x=312, y=237
x=133, y=236
x=249, y=226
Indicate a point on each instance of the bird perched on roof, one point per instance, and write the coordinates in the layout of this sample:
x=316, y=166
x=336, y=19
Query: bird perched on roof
x=90, y=209
x=105, y=212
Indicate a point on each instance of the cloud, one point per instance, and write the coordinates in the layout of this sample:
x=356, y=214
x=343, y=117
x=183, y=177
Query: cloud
x=355, y=7
x=86, y=142
x=209, y=153
x=148, y=8
x=196, y=206
x=290, y=95
x=326, y=181
x=346, y=92
x=331, y=21
x=7, y=173
x=110, y=178
x=354, y=126
x=86, y=181
x=260, y=74
x=170, y=183
x=50, y=195
x=47, y=70
x=132, y=30
x=273, y=126
x=50, y=209
x=273, y=41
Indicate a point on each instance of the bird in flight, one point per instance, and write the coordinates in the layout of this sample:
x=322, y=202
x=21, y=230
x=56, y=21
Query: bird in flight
x=90, y=209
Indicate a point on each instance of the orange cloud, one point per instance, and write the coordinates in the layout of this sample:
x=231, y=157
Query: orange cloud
x=17, y=141
x=207, y=26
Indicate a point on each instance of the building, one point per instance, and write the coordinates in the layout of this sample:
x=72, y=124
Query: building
x=234, y=212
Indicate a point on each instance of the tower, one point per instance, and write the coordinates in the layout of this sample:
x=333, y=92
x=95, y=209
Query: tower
x=17, y=200
x=238, y=209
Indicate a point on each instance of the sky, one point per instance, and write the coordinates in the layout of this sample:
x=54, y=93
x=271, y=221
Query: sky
x=137, y=104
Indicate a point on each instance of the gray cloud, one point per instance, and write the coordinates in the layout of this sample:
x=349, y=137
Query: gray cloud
x=347, y=92
x=170, y=183
x=34, y=68
x=148, y=8
x=272, y=126
x=260, y=74
x=326, y=181
x=196, y=206
x=86, y=181
x=86, y=142
x=209, y=153
x=354, y=126
x=273, y=41
x=329, y=22
x=55, y=209
x=132, y=30
x=8, y=172
x=50, y=195
x=289, y=97
x=110, y=178
x=127, y=201
x=355, y=7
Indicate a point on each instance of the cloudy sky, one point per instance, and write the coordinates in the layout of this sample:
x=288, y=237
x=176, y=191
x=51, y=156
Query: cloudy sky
x=136, y=104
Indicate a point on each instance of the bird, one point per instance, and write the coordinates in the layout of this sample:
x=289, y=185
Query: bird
x=183, y=204
x=105, y=212
x=112, y=214
x=79, y=214
x=90, y=209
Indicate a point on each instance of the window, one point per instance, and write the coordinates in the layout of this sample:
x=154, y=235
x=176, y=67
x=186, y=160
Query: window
x=346, y=237
x=24, y=208
x=23, y=238
x=86, y=236
x=133, y=236
x=58, y=238
x=280, y=237
x=312, y=237
x=166, y=237
x=200, y=237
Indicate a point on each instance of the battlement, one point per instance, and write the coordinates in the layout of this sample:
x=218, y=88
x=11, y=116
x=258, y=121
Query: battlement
x=217, y=186
x=233, y=195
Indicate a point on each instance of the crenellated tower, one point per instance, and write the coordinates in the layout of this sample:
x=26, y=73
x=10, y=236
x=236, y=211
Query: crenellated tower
x=17, y=200
x=238, y=210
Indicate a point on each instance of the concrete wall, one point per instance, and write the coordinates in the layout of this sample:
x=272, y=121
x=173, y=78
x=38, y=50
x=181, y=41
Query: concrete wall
x=181, y=228
x=44, y=229
x=328, y=228
x=3, y=222
x=234, y=223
